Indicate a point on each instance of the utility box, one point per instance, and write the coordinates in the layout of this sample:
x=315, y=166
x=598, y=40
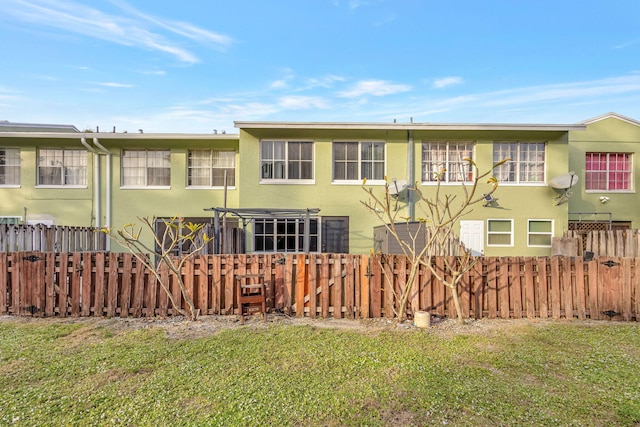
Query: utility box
x=384, y=242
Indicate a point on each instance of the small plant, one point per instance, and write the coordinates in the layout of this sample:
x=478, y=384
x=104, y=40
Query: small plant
x=177, y=235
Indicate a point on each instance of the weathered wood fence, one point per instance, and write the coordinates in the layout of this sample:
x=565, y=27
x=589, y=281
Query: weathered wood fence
x=53, y=238
x=614, y=243
x=327, y=285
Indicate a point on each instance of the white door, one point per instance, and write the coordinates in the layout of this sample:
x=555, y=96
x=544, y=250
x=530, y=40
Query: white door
x=472, y=235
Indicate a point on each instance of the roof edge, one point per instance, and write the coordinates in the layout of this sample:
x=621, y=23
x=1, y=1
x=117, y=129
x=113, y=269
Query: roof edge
x=612, y=115
x=121, y=135
x=406, y=126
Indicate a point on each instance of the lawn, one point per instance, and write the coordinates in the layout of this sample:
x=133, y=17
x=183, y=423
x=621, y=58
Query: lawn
x=91, y=372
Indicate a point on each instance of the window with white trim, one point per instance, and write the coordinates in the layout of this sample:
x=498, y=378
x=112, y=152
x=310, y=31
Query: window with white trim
x=447, y=156
x=10, y=220
x=9, y=166
x=357, y=160
x=286, y=160
x=62, y=167
x=539, y=232
x=207, y=168
x=284, y=235
x=499, y=232
x=146, y=168
x=608, y=172
x=526, y=162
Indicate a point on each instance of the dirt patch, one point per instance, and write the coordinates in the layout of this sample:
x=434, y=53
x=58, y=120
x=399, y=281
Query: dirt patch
x=181, y=328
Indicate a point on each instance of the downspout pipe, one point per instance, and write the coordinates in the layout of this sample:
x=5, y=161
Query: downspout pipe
x=96, y=179
x=411, y=175
x=107, y=153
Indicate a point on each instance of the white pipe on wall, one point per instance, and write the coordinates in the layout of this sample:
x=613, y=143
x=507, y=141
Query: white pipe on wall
x=108, y=186
x=96, y=181
x=411, y=179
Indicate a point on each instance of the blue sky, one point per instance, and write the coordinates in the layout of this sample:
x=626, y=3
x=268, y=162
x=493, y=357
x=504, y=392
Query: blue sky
x=194, y=66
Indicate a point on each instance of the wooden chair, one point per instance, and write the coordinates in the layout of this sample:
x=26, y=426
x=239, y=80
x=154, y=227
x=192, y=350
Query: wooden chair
x=251, y=295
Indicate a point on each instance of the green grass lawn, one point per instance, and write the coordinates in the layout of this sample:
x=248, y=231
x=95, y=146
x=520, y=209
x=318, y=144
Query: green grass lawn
x=55, y=372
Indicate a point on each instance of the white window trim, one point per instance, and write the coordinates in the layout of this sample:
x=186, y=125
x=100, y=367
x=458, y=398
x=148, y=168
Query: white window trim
x=144, y=187
x=63, y=185
x=631, y=190
x=433, y=183
x=19, y=168
x=209, y=187
x=285, y=181
x=373, y=182
x=19, y=218
x=358, y=181
x=511, y=233
x=529, y=233
x=149, y=187
x=519, y=183
x=204, y=187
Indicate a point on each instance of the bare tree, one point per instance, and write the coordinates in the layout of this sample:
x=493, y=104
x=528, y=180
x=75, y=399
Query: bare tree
x=441, y=212
x=177, y=234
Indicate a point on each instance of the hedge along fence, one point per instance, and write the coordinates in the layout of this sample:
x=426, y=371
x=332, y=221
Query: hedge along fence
x=326, y=285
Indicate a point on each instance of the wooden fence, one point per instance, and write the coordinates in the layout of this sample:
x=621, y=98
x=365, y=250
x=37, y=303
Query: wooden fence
x=52, y=238
x=613, y=243
x=327, y=285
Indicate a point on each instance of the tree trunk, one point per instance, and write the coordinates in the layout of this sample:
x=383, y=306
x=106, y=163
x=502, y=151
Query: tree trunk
x=456, y=302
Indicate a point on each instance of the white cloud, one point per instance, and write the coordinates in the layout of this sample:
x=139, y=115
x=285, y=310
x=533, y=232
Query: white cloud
x=154, y=72
x=302, y=102
x=555, y=103
x=627, y=44
x=279, y=84
x=375, y=88
x=137, y=30
x=447, y=81
x=326, y=81
x=114, y=84
x=564, y=91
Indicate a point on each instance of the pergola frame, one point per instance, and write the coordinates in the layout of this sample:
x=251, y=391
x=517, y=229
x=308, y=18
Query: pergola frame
x=246, y=215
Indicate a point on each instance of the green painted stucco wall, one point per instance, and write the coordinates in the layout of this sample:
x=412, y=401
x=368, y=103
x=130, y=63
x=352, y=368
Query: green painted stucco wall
x=63, y=206
x=333, y=199
x=607, y=135
x=76, y=206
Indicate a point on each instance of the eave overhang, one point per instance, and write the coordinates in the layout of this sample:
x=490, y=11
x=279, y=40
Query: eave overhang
x=410, y=126
x=111, y=135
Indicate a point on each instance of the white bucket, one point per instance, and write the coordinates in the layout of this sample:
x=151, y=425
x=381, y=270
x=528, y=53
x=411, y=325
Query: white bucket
x=422, y=319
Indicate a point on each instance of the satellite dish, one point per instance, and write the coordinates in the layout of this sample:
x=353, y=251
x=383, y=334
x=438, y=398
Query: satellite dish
x=564, y=182
x=397, y=186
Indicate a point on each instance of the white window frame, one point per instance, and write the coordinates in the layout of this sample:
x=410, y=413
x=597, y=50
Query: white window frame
x=518, y=163
x=285, y=162
x=63, y=166
x=607, y=172
x=4, y=220
x=493, y=233
x=448, y=162
x=10, y=161
x=298, y=236
x=539, y=233
x=360, y=162
x=146, y=167
x=212, y=165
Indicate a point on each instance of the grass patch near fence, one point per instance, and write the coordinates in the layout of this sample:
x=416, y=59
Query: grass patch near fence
x=531, y=373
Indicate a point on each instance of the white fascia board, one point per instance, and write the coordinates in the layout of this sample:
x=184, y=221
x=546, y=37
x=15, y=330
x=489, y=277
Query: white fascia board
x=614, y=116
x=110, y=135
x=407, y=126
